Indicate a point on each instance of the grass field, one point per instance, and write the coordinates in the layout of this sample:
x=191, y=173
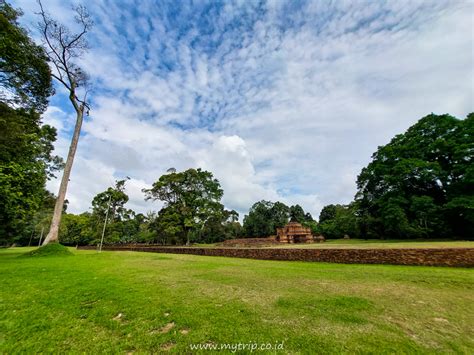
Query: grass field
x=365, y=244
x=381, y=244
x=145, y=302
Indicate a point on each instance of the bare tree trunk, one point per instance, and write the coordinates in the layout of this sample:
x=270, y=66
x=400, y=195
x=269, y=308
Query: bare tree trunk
x=58, y=208
x=62, y=46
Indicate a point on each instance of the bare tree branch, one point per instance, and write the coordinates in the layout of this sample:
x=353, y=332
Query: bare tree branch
x=62, y=46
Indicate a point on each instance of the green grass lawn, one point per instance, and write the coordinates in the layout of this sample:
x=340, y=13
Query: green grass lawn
x=381, y=244
x=145, y=302
x=365, y=244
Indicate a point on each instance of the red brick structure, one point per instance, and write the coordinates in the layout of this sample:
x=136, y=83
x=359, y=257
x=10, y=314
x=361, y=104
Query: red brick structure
x=459, y=257
x=294, y=232
x=249, y=243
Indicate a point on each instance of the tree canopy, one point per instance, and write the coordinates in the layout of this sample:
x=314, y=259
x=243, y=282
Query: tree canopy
x=26, y=162
x=191, y=197
x=25, y=77
x=26, y=145
x=421, y=184
x=338, y=221
x=113, y=200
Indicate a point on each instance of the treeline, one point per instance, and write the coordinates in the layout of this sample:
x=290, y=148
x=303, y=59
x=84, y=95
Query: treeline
x=265, y=217
x=420, y=185
x=192, y=213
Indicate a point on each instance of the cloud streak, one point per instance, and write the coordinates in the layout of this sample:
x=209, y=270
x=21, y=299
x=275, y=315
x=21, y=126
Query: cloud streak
x=280, y=100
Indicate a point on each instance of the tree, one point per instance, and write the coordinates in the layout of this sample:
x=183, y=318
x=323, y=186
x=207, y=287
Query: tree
x=264, y=217
x=297, y=214
x=258, y=222
x=219, y=227
x=26, y=145
x=62, y=48
x=327, y=213
x=121, y=225
x=336, y=221
x=422, y=182
x=26, y=162
x=191, y=198
x=113, y=200
x=169, y=227
x=144, y=232
x=77, y=229
x=25, y=76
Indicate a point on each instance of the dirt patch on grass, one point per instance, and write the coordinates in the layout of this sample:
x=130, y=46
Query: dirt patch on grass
x=167, y=346
x=165, y=329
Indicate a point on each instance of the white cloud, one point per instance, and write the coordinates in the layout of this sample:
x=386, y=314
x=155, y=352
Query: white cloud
x=232, y=165
x=55, y=117
x=278, y=102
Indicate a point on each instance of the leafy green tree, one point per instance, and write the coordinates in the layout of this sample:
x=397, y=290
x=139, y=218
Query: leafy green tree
x=26, y=159
x=26, y=162
x=264, y=217
x=25, y=77
x=394, y=219
x=121, y=225
x=191, y=198
x=113, y=200
x=233, y=229
x=427, y=216
x=338, y=221
x=297, y=214
x=144, y=232
x=280, y=214
x=421, y=183
x=258, y=223
x=327, y=213
x=169, y=227
x=77, y=229
x=219, y=227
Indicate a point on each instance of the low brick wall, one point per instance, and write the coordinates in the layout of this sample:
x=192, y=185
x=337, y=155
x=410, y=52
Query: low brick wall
x=459, y=257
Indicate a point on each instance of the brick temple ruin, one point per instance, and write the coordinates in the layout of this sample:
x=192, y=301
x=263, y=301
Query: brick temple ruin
x=294, y=232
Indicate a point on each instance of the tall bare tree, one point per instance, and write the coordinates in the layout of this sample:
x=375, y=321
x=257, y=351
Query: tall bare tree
x=63, y=47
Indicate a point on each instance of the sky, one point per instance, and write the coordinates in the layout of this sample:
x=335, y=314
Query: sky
x=280, y=100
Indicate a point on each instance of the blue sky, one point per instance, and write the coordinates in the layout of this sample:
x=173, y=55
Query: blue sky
x=281, y=100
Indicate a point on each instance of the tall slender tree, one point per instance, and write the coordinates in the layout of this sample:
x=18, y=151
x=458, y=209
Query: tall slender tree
x=63, y=47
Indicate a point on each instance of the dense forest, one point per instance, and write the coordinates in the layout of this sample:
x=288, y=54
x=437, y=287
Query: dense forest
x=419, y=185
